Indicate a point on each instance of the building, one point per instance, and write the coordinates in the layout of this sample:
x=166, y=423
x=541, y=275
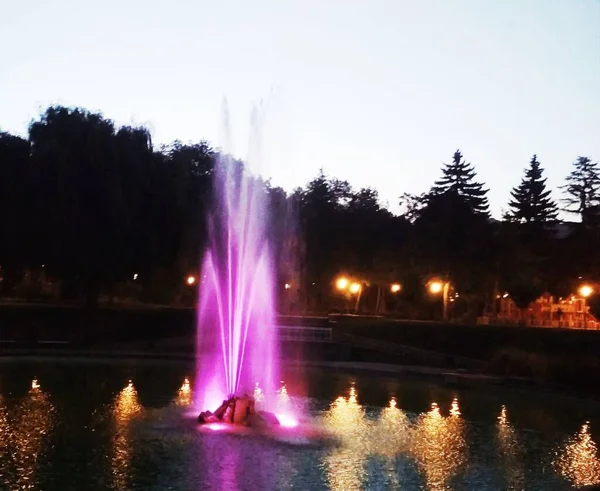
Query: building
x=571, y=312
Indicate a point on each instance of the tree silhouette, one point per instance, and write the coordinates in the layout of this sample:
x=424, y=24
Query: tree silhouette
x=458, y=178
x=531, y=203
x=16, y=229
x=89, y=206
x=582, y=190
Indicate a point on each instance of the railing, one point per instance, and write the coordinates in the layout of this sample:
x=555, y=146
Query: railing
x=304, y=334
x=498, y=321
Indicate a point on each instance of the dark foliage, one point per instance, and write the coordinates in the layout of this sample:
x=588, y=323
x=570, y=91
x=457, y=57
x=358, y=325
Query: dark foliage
x=91, y=210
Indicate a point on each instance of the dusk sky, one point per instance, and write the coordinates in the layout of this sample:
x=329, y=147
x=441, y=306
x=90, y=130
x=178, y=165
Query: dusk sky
x=380, y=93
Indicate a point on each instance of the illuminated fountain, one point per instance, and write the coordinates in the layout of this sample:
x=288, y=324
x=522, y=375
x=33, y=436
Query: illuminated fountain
x=236, y=343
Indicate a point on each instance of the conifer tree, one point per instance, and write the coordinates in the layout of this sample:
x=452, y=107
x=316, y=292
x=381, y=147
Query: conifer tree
x=583, y=189
x=531, y=202
x=459, y=178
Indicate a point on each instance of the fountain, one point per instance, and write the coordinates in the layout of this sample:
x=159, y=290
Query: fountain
x=236, y=339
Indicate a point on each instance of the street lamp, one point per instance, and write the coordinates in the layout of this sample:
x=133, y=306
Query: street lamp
x=356, y=289
x=287, y=286
x=191, y=280
x=438, y=286
x=585, y=291
x=342, y=283
x=395, y=288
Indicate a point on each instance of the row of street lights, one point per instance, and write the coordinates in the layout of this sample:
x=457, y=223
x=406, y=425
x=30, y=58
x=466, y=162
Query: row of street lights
x=435, y=287
x=354, y=287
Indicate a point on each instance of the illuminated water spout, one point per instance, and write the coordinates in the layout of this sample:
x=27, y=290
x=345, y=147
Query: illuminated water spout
x=235, y=335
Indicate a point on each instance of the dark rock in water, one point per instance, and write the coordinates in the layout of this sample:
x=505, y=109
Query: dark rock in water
x=207, y=417
x=236, y=410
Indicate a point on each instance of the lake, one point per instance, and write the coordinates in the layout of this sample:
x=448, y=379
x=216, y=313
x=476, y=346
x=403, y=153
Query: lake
x=128, y=425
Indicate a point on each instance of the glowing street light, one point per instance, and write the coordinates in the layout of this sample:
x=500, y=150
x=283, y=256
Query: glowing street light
x=436, y=287
x=585, y=291
x=342, y=283
x=395, y=288
x=191, y=280
x=443, y=287
x=287, y=286
x=354, y=287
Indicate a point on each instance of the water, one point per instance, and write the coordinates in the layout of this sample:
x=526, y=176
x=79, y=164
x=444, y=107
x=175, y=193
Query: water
x=236, y=307
x=127, y=425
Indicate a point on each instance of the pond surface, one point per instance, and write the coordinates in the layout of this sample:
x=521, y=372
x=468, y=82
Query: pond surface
x=95, y=425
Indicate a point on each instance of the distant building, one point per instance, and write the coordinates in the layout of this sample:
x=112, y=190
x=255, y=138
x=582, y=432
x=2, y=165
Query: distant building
x=571, y=312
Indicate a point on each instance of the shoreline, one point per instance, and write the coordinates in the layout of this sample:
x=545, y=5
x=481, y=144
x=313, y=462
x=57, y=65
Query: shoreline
x=453, y=377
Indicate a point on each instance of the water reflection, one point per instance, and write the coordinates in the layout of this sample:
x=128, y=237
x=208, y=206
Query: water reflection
x=578, y=460
x=184, y=394
x=4, y=441
x=510, y=452
x=33, y=422
x=345, y=465
x=126, y=407
x=439, y=445
x=392, y=431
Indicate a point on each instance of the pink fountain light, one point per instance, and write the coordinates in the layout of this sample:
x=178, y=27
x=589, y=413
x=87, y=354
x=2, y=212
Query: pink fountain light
x=236, y=338
x=286, y=420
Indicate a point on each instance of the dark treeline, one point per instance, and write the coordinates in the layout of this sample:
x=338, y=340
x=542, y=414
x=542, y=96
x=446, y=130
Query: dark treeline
x=90, y=210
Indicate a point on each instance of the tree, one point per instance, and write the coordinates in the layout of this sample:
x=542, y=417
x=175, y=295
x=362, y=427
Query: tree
x=582, y=189
x=459, y=178
x=411, y=205
x=16, y=229
x=531, y=203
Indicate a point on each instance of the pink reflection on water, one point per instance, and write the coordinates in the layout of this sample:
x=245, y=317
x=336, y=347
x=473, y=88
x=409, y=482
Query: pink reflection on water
x=286, y=420
x=217, y=426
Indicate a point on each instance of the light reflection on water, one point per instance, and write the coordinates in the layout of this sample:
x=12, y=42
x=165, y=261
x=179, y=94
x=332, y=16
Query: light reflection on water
x=510, y=452
x=25, y=431
x=184, y=394
x=376, y=448
x=126, y=407
x=345, y=465
x=577, y=461
x=439, y=445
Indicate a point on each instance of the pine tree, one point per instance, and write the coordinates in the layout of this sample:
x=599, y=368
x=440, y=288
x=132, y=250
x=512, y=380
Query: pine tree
x=583, y=189
x=459, y=178
x=531, y=201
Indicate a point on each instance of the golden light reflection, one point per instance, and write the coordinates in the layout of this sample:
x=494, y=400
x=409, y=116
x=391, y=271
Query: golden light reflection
x=126, y=407
x=184, y=394
x=33, y=422
x=5, y=435
x=510, y=452
x=439, y=446
x=578, y=460
x=345, y=465
x=392, y=433
x=454, y=409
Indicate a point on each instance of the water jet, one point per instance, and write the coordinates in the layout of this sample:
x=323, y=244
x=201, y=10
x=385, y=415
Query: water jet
x=236, y=341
